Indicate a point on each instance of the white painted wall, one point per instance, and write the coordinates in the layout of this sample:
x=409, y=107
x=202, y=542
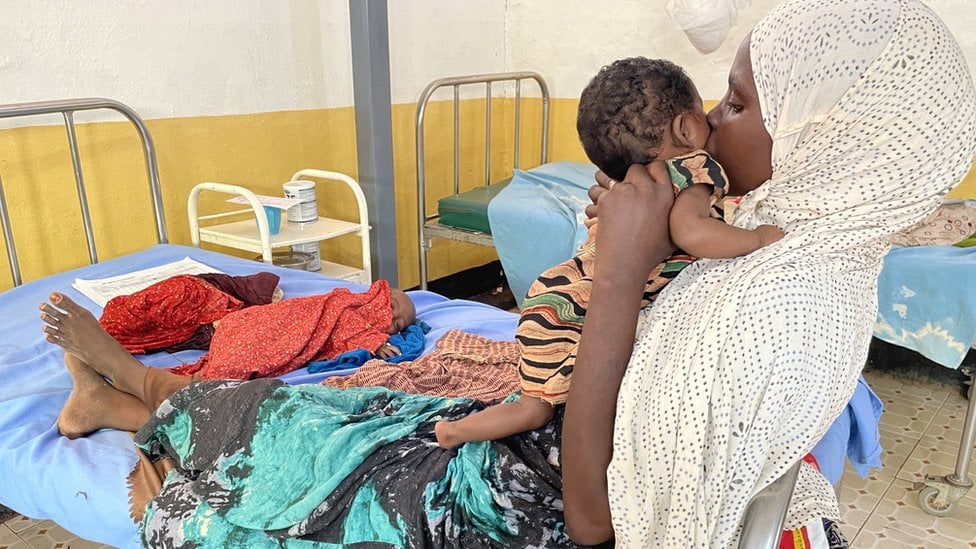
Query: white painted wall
x=431, y=39
x=211, y=57
x=181, y=57
x=569, y=41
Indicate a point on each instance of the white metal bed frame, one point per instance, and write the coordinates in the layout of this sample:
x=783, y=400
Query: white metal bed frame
x=427, y=223
x=67, y=108
x=939, y=494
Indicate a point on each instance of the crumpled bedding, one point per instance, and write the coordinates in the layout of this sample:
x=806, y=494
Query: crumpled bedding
x=462, y=365
x=275, y=339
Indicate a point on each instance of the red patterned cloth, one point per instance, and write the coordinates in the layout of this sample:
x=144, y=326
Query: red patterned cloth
x=271, y=340
x=166, y=313
x=463, y=365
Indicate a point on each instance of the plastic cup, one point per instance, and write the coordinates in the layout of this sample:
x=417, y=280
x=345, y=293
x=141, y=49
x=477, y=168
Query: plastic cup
x=274, y=219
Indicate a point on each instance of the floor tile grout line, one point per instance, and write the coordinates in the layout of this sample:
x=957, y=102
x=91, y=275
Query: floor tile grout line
x=873, y=509
x=919, y=441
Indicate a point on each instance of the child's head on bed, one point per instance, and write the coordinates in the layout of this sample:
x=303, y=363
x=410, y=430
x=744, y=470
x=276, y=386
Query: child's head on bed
x=404, y=312
x=637, y=110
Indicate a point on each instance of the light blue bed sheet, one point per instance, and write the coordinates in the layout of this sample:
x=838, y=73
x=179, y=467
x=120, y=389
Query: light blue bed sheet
x=537, y=220
x=853, y=435
x=927, y=301
x=81, y=484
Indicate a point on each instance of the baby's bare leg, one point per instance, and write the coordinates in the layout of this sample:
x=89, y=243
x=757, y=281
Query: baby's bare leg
x=95, y=404
x=498, y=421
x=75, y=329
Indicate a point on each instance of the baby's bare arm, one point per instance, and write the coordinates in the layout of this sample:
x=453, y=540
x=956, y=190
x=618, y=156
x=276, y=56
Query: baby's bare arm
x=695, y=232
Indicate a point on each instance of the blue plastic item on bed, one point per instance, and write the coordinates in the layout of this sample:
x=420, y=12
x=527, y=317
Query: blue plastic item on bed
x=927, y=301
x=536, y=221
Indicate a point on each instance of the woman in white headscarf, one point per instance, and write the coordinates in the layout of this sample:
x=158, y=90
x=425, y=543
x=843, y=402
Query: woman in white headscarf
x=845, y=121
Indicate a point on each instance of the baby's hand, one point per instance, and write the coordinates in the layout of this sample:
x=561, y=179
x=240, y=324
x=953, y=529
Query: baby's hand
x=768, y=234
x=387, y=351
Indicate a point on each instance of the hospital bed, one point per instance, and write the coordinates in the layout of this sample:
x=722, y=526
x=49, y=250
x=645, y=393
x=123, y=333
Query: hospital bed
x=462, y=216
x=926, y=304
x=81, y=484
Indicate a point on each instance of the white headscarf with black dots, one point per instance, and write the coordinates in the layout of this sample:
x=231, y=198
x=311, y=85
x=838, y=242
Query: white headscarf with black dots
x=742, y=364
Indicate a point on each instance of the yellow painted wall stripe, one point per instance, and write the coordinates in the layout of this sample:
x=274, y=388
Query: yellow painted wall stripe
x=259, y=151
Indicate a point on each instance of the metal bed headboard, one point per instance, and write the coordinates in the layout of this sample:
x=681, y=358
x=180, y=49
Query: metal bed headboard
x=442, y=231
x=67, y=108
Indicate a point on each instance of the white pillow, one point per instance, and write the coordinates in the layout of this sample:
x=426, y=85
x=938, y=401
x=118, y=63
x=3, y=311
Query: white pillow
x=953, y=222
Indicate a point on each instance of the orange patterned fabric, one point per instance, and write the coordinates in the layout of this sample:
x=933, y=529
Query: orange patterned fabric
x=271, y=340
x=463, y=365
x=166, y=313
x=551, y=323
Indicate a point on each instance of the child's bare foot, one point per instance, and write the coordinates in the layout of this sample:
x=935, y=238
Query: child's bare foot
x=446, y=436
x=94, y=404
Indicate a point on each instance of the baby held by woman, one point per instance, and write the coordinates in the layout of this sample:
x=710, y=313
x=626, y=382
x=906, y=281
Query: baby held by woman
x=634, y=111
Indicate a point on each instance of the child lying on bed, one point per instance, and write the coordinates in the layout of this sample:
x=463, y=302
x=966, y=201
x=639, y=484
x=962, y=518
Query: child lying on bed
x=634, y=111
x=183, y=312
x=274, y=339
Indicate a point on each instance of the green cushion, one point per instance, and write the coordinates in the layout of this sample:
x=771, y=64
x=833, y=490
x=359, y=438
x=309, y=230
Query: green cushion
x=469, y=210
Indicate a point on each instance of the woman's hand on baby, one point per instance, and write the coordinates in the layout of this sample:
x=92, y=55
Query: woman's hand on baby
x=633, y=231
x=603, y=184
x=388, y=351
x=768, y=234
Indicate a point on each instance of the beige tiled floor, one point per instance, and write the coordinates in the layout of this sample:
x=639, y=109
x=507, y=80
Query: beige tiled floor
x=25, y=533
x=920, y=432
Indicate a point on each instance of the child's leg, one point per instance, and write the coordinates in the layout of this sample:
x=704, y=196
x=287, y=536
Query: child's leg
x=498, y=421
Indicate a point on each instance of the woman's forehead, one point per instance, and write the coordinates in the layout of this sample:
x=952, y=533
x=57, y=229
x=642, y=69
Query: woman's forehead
x=740, y=74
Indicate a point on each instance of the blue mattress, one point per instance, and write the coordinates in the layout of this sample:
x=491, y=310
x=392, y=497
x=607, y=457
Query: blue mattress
x=80, y=484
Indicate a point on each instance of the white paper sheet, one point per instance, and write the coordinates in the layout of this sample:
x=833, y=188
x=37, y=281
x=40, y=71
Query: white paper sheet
x=279, y=202
x=101, y=290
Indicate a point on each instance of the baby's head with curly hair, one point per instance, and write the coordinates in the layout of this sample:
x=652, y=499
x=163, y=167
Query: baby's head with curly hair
x=637, y=110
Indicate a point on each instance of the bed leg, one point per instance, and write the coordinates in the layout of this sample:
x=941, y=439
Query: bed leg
x=938, y=495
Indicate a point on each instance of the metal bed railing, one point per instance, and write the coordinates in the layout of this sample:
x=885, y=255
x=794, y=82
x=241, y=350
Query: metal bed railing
x=428, y=229
x=67, y=108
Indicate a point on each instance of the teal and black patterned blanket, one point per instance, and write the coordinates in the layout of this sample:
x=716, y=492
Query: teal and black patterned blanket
x=265, y=464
